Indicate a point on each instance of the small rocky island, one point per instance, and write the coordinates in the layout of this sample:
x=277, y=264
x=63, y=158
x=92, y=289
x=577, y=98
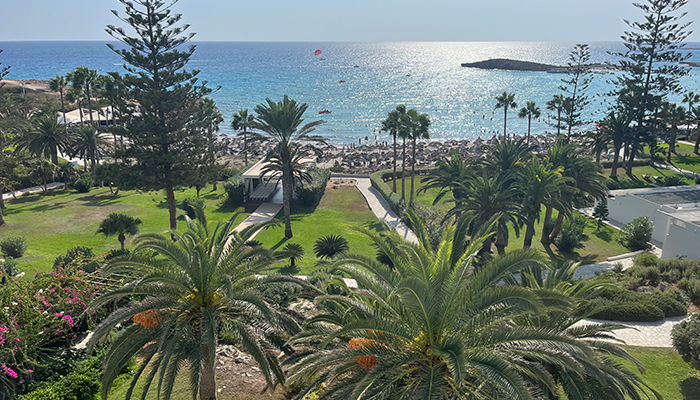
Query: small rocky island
x=517, y=65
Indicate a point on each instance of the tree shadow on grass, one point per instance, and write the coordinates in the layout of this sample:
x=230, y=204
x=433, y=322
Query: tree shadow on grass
x=31, y=197
x=559, y=258
x=690, y=387
x=98, y=200
x=603, y=234
x=279, y=244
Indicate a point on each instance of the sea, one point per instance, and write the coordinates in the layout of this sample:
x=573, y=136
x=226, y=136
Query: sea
x=359, y=83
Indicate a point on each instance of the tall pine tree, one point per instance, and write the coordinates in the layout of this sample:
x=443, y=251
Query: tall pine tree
x=167, y=143
x=650, y=68
x=575, y=87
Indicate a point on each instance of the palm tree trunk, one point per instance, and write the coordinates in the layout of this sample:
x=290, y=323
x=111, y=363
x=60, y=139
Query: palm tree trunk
x=546, y=226
x=671, y=146
x=172, y=208
x=394, y=133
x=529, y=120
x=557, y=227
x=501, y=242
x=2, y=219
x=505, y=119
x=403, y=170
x=413, y=166
x=87, y=89
x=207, y=380
x=63, y=110
x=558, y=121
x=287, y=192
x=696, y=149
x=529, y=232
x=121, y=236
x=65, y=181
x=616, y=158
x=54, y=156
x=633, y=154
x=245, y=147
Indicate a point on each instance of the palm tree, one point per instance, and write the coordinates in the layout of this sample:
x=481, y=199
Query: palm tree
x=506, y=155
x=46, y=138
x=274, y=167
x=84, y=78
x=672, y=115
x=112, y=89
x=280, y=122
x=616, y=125
x=449, y=174
x=490, y=199
x=432, y=327
x=59, y=84
x=75, y=95
x=505, y=100
x=694, y=117
x=43, y=171
x=389, y=125
x=539, y=185
x=529, y=111
x=199, y=287
x=242, y=121
x=69, y=172
x=557, y=104
x=419, y=130
x=87, y=143
x=120, y=225
x=328, y=247
x=690, y=98
x=403, y=129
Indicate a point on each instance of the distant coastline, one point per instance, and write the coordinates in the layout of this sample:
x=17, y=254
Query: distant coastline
x=517, y=65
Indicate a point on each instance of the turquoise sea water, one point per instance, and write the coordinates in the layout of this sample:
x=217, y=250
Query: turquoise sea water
x=377, y=76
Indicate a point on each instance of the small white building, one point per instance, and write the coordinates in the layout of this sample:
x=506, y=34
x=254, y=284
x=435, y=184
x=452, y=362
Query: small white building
x=259, y=187
x=675, y=212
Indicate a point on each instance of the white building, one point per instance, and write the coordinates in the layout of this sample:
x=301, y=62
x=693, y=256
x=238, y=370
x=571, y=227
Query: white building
x=675, y=212
x=259, y=187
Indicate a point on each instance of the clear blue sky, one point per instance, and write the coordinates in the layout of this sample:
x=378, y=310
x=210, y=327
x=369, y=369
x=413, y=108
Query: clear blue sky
x=349, y=20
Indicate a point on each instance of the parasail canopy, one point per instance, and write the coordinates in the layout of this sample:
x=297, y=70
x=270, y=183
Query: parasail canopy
x=317, y=52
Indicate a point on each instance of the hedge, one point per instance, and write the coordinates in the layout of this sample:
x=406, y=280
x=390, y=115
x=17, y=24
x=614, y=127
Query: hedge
x=81, y=384
x=309, y=194
x=394, y=199
x=619, y=304
x=629, y=312
x=235, y=191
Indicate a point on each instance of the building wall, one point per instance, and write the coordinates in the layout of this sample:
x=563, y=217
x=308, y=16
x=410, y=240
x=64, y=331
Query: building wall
x=683, y=239
x=625, y=208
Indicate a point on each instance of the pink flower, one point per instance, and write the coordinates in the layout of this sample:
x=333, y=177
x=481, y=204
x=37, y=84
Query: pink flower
x=29, y=371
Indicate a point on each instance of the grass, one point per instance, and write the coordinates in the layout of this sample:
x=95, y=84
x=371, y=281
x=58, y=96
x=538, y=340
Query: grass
x=642, y=170
x=54, y=221
x=339, y=211
x=667, y=373
x=684, y=157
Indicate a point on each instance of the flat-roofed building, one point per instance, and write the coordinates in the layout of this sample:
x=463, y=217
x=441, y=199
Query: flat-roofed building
x=259, y=187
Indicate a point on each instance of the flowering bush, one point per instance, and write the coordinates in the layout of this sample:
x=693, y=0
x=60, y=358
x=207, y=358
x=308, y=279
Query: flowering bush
x=36, y=317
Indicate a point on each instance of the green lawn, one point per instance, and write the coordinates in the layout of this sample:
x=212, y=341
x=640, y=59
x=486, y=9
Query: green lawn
x=54, y=221
x=339, y=212
x=640, y=171
x=685, y=158
x=668, y=373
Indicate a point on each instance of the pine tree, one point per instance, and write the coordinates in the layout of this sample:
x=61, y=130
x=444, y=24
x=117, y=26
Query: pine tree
x=650, y=67
x=167, y=143
x=574, y=86
x=600, y=212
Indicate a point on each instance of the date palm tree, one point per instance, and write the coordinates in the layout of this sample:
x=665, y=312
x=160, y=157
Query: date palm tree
x=242, y=121
x=616, y=125
x=694, y=117
x=530, y=111
x=691, y=98
x=505, y=101
x=84, y=78
x=281, y=122
x=59, y=84
x=195, y=289
x=433, y=326
x=87, y=143
x=557, y=104
x=672, y=115
x=420, y=123
x=449, y=175
x=390, y=125
x=46, y=138
x=120, y=225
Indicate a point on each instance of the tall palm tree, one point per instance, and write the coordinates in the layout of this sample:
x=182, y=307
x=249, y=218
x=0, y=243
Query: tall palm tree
x=672, y=115
x=281, y=123
x=433, y=327
x=539, y=185
x=84, y=78
x=87, y=143
x=419, y=130
x=242, y=121
x=391, y=125
x=529, y=111
x=199, y=287
x=120, y=225
x=616, y=125
x=59, y=84
x=43, y=171
x=557, y=104
x=69, y=172
x=450, y=174
x=694, y=117
x=46, y=138
x=506, y=155
x=505, y=101
x=403, y=130
x=112, y=88
x=691, y=98
x=75, y=95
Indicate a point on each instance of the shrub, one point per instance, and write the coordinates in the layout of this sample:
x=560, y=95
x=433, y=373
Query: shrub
x=571, y=234
x=685, y=339
x=631, y=312
x=637, y=234
x=78, y=252
x=691, y=287
x=281, y=294
x=612, y=184
x=83, y=185
x=81, y=384
x=671, y=276
x=116, y=253
x=674, y=180
x=646, y=260
x=677, y=295
x=13, y=247
x=235, y=191
x=648, y=276
x=394, y=199
x=330, y=246
x=309, y=194
x=669, y=306
x=8, y=266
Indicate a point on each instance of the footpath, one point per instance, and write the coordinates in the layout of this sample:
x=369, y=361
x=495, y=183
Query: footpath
x=34, y=189
x=381, y=209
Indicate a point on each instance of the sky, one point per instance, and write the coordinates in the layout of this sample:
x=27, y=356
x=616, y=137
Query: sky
x=344, y=21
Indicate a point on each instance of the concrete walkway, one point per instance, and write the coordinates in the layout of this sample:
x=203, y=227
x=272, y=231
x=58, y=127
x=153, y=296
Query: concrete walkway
x=381, y=209
x=34, y=189
x=645, y=334
x=264, y=213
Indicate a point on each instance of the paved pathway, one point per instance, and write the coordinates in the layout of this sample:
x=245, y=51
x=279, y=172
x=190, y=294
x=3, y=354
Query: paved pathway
x=381, y=209
x=34, y=189
x=264, y=213
x=646, y=334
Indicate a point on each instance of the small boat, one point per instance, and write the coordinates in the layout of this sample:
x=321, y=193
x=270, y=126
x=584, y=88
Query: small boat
x=342, y=81
x=324, y=112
